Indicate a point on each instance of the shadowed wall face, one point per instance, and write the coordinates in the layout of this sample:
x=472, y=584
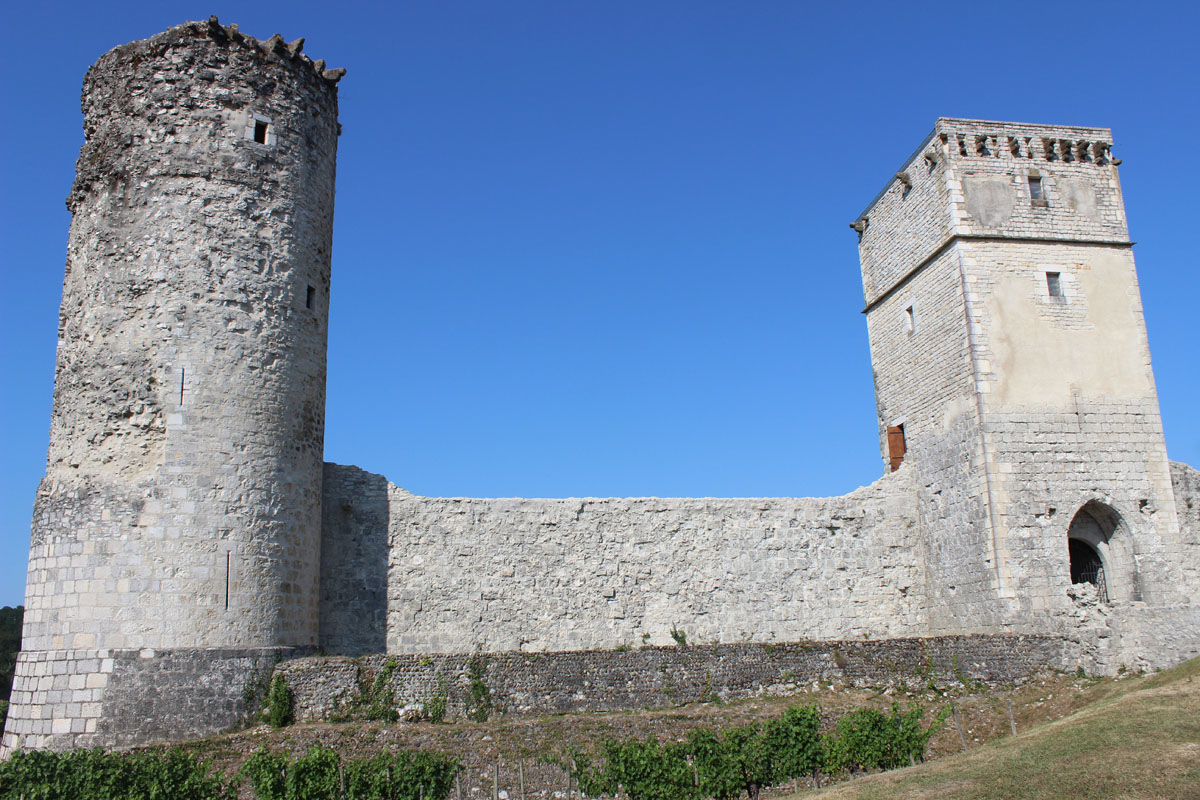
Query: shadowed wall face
x=354, y=562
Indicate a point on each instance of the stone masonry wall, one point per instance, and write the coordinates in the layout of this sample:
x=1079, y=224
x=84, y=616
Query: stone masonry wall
x=111, y=698
x=610, y=680
x=924, y=381
x=181, y=503
x=538, y=575
x=354, y=562
x=1186, y=483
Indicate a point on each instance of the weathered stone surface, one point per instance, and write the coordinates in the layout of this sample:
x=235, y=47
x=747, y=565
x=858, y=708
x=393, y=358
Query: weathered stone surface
x=608, y=680
x=181, y=504
x=187, y=533
x=1007, y=339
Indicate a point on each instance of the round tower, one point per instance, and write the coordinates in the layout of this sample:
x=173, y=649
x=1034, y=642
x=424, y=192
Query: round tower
x=177, y=529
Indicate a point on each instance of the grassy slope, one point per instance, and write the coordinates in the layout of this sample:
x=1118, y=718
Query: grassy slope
x=1142, y=741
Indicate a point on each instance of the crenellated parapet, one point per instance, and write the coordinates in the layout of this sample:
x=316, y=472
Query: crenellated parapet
x=974, y=139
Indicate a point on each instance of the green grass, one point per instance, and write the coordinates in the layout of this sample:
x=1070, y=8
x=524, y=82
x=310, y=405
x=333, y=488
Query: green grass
x=1141, y=741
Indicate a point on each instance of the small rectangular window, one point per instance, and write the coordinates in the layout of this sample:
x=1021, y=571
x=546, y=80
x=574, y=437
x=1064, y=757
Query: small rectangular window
x=260, y=131
x=910, y=320
x=308, y=298
x=1054, y=284
x=1037, y=192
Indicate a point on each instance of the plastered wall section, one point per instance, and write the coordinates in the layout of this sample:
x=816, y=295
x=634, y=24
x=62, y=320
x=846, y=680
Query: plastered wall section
x=563, y=574
x=988, y=167
x=1071, y=416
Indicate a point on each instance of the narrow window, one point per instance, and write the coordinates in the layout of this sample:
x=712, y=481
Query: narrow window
x=896, y=446
x=227, y=581
x=1054, y=284
x=910, y=320
x=308, y=298
x=1037, y=192
x=182, y=381
x=260, y=131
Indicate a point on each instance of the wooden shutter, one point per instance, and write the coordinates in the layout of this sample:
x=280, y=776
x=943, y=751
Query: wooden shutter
x=896, y=446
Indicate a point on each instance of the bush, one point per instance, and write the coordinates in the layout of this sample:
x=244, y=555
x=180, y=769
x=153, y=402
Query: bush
x=403, y=776
x=280, y=703
x=479, y=704
x=434, y=709
x=267, y=774
x=647, y=770
x=318, y=775
x=96, y=775
x=751, y=757
x=869, y=739
x=796, y=741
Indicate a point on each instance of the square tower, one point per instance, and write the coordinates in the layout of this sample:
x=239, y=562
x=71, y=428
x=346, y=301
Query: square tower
x=1012, y=373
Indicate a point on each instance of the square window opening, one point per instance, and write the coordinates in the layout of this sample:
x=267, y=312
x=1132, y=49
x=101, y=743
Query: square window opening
x=260, y=131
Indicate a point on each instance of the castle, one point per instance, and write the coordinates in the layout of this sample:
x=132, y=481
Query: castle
x=187, y=535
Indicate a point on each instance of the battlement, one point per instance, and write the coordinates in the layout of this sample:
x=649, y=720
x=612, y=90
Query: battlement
x=273, y=48
x=977, y=138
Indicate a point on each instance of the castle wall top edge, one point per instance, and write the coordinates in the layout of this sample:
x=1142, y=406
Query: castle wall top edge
x=211, y=29
x=946, y=125
x=1094, y=132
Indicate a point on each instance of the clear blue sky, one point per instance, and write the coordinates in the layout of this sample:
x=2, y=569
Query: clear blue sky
x=602, y=248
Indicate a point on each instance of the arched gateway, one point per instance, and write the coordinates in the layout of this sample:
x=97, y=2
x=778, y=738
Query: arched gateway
x=1098, y=551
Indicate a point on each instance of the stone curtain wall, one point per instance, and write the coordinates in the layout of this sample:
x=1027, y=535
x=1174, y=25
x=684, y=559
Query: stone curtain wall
x=522, y=574
x=537, y=575
x=1186, y=482
x=613, y=680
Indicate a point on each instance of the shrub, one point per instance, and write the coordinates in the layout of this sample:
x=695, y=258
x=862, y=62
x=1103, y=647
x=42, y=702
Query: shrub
x=403, y=776
x=96, y=775
x=479, y=704
x=796, y=742
x=267, y=774
x=280, y=703
x=379, y=701
x=318, y=775
x=646, y=769
x=869, y=739
x=434, y=709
